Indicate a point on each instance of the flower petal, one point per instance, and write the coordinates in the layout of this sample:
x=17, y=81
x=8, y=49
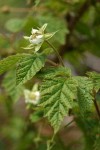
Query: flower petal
x=26, y=37
x=36, y=41
x=49, y=35
x=43, y=27
x=35, y=87
x=37, y=47
x=30, y=46
x=39, y=36
x=34, y=31
x=26, y=94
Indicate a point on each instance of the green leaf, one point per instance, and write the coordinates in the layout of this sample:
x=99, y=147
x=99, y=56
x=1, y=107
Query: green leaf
x=55, y=25
x=48, y=51
x=36, y=116
x=9, y=83
x=10, y=61
x=56, y=98
x=37, y=2
x=84, y=94
x=28, y=67
x=97, y=142
x=49, y=73
x=15, y=25
x=95, y=77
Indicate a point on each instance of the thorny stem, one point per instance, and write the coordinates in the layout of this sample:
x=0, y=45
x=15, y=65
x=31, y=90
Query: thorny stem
x=59, y=57
x=96, y=105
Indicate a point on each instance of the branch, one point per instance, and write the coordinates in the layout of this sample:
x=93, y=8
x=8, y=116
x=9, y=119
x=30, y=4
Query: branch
x=51, y=62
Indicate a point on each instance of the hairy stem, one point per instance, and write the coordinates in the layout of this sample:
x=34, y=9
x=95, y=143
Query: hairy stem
x=59, y=57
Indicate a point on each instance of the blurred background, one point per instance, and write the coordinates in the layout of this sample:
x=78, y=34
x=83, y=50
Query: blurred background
x=78, y=42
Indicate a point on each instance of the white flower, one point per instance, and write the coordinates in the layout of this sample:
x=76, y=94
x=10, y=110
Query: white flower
x=32, y=97
x=37, y=38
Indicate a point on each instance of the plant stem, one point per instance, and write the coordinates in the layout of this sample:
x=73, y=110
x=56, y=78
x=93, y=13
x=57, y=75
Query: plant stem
x=96, y=105
x=97, y=108
x=59, y=57
x=51, y=62
x=70, y=123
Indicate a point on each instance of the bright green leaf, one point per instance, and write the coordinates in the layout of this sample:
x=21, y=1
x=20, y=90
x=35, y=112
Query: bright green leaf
x=52, y=72
x=9, y=62
x=96, y=79
x=28, y=67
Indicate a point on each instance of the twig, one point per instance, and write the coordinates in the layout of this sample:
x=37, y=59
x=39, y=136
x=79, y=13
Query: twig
x=69, y=123
x=51, y=62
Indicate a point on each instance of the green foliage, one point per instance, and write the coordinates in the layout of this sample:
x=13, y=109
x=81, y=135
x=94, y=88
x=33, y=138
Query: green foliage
x=15, y=25
x=36, y=116
x=91, y=130
x=55, y=25
x=56, y=98
x=51, y=72
x=78, y=34
x=9, y=83
x=9, y=62
x=84, y=94
x=95, y=77
x=97, y=143
x=37, y=2
x=28, y=67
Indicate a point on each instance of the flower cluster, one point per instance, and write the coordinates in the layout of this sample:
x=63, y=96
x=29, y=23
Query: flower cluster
x=37, y=37
x=32, y=97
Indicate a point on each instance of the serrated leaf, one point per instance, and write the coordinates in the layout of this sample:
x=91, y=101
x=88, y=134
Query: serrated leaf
x=56, y=98
x=84, y=94
x=10, y=61
x=9, y=83
x=28, y=67
x=51, y=72
x=95, y=77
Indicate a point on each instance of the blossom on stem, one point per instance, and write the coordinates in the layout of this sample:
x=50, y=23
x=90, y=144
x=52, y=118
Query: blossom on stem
x=37, y=38
x=32, y=97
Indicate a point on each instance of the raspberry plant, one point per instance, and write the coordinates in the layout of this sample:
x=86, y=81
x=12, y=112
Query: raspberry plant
x=60, y=91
